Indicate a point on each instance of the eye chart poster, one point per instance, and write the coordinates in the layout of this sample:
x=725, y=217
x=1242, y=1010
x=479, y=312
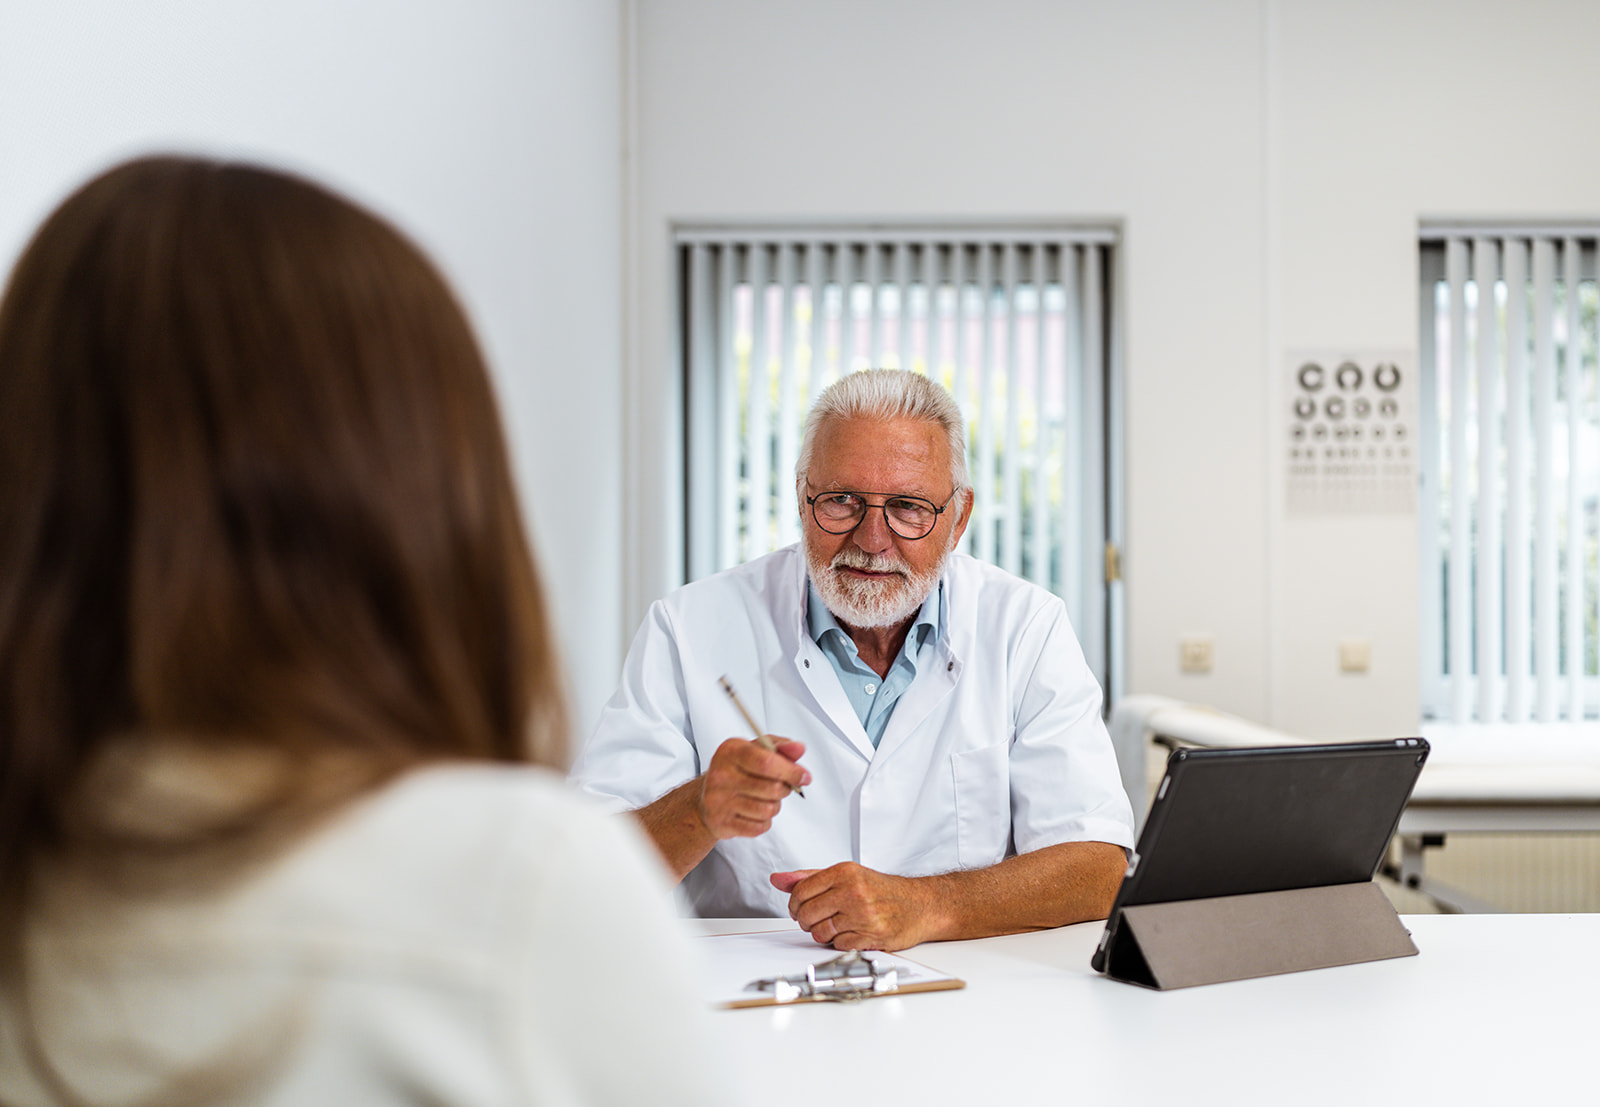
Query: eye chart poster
x=1351, y=442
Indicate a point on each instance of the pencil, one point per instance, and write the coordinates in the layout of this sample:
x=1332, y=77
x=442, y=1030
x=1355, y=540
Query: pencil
x=763, y=739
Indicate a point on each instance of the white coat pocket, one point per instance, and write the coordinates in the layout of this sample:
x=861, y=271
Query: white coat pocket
x=983, y=805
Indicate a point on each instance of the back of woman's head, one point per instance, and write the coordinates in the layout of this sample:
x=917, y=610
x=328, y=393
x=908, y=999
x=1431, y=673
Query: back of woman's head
x=253, y=491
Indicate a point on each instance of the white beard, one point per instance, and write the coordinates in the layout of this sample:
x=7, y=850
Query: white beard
x=870, y=604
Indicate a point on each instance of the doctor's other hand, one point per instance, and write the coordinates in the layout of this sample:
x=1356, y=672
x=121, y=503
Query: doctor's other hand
x=744, y=786
x=854, y=907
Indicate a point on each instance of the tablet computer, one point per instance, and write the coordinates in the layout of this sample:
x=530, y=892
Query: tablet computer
x=1227, y=822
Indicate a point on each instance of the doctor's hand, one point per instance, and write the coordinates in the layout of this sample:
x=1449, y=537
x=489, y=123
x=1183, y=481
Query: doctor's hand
x=855, y=907
x=745, y=785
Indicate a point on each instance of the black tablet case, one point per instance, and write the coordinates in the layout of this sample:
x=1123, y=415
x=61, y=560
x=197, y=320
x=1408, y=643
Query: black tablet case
x=1259, y=861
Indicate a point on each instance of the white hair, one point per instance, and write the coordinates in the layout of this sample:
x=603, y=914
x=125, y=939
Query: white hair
x=885, y=394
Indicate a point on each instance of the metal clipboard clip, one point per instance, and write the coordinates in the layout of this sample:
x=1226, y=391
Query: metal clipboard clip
x=848, y=977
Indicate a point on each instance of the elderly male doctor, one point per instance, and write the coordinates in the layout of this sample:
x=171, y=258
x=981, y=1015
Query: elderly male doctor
x=935, y=711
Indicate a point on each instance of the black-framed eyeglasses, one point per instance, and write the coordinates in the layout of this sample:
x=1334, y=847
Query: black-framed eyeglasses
x=910, y=517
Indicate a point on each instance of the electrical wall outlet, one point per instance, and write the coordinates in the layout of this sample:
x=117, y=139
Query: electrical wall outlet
x=1195, y=653
x=1355, y=655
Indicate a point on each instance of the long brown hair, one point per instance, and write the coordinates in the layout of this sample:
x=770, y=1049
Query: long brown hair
x=253, y=491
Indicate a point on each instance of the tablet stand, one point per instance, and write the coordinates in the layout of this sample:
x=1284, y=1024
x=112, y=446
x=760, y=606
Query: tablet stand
x=1183, y=943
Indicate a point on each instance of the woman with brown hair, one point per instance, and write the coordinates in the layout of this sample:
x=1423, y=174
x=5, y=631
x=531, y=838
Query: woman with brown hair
x=272, y=652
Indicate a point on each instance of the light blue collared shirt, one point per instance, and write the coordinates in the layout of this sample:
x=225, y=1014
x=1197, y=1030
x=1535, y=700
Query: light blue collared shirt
x=873, y=697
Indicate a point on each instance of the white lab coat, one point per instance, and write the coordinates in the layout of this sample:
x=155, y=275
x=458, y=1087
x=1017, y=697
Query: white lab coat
x=996, y=748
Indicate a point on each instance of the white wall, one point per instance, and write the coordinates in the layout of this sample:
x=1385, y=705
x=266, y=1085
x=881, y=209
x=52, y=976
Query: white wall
x=1148, y=113
x=488, y=129
x=1270, y=160
x=1384, y=114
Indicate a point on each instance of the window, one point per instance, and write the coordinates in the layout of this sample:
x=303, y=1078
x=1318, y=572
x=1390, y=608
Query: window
x=1015, y=324
x=1510, y=474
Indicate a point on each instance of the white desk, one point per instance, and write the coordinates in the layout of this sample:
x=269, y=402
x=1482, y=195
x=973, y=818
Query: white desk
x=1495, y=1009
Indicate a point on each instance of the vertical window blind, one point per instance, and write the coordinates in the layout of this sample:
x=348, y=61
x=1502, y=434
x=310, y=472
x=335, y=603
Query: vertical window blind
x=1511, y=474
x=1014, y=324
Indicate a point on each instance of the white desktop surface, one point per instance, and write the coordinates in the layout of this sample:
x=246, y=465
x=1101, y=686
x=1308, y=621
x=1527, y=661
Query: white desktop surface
x=1494, y=1009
